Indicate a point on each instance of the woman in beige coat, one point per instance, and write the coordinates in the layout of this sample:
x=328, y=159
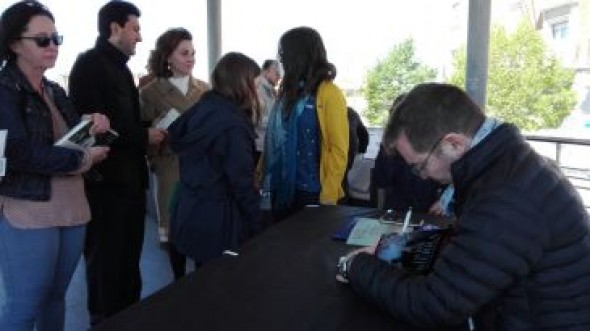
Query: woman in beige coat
x=172, y=91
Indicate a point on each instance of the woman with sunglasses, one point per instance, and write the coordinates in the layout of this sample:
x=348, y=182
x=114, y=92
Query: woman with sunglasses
x=43, y=208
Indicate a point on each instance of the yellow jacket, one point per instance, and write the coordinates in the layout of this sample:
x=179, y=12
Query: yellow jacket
x=333, y=120
x=331, y=110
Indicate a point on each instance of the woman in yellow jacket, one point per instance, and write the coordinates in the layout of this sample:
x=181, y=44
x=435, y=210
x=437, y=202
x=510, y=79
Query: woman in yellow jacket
x=306, y=146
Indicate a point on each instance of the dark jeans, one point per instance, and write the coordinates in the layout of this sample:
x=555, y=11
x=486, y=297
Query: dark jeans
x=112, y=250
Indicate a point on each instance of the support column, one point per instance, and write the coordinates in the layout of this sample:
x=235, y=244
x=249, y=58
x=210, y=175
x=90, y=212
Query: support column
x=478, y=40
x=213, y=32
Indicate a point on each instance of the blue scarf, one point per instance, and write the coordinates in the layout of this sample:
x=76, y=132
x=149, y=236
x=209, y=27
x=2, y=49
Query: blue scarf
x=446, y=198
x=280, y=151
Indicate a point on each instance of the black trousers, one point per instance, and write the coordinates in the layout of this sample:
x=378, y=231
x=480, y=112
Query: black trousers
x=114, y=240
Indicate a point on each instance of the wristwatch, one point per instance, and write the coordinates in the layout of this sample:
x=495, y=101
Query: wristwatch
x=344, y=265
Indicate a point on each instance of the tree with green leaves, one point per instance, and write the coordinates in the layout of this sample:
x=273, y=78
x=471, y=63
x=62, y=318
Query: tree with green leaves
x=526, y=84
x=395, y=74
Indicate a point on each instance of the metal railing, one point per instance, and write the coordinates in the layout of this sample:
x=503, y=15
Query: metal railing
x=575, y=162
x=572, y=155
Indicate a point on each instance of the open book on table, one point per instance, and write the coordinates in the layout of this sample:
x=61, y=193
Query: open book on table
x=79, y=136
x=367, y=231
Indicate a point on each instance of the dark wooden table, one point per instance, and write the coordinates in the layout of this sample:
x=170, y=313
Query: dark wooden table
x=281, y=280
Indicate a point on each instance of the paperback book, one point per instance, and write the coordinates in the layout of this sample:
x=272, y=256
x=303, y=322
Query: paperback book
x=80, y=137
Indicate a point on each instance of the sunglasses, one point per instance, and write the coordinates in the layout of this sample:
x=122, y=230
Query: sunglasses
x=43, y=41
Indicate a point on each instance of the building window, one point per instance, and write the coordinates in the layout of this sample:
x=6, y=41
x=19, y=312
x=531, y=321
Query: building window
x=560, y=30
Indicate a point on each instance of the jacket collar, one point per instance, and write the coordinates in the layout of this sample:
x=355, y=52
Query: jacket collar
x=11, y=75
x=112, y=52
x=478, y=159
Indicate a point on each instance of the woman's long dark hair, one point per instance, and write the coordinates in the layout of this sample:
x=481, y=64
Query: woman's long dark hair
x=303, y=56
x=233, y=78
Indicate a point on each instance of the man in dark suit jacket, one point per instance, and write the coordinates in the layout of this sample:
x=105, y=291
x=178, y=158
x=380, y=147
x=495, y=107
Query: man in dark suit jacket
x=100, y=81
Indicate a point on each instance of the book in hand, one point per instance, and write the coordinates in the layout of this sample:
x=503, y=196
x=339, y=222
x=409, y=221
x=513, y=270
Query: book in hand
x=79, y=137
x=165, y=121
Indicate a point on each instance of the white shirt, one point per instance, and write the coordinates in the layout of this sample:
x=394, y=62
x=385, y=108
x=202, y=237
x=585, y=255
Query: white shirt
x=181, y=83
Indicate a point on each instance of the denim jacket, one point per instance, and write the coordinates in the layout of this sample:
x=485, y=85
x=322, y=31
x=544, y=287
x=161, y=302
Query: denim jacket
x=31, y=157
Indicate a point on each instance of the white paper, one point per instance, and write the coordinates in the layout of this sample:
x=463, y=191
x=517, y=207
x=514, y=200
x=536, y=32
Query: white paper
x=165, y=121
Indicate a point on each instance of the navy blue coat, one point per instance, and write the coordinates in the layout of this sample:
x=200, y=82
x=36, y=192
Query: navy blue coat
x=32, y=157
x=520, y=259
x=218, y=206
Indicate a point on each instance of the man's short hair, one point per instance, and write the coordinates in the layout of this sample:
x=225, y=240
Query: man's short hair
x=117, y=11
x=428, y=112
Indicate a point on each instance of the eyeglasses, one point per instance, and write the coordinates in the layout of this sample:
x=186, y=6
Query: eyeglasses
x=43, y=41
x=418, y=168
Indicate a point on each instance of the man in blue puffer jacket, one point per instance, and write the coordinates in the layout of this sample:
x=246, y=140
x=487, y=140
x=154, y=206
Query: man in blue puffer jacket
x=520, y=257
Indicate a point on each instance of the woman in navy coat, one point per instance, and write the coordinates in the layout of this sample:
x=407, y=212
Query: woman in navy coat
x=218, y=205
